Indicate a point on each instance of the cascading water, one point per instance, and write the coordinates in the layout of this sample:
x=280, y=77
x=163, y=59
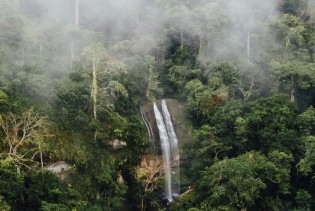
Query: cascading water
x=170, y=152
x=165, y=145
x=173, y=147
x=148, y=126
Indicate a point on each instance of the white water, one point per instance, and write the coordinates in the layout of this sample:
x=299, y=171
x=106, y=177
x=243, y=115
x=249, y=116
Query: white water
x=170, y=152
x=174, y=147
x=165, y=145
x=148, y=126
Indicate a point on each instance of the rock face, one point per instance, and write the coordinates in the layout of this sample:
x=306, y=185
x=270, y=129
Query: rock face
x=59, y=167
x=117, y=144
x=153, y=166
x=182, y=129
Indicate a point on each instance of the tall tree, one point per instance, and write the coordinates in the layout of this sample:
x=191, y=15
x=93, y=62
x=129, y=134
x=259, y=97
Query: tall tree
x=101, y=68
x=23, y=136
x=238, y=182
x=295, y=76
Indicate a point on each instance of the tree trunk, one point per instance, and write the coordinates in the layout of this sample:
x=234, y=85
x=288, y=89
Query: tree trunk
x=41, y=160
x=181, y=39
x=293, y=94
x=72, y=54
x=94, y=93
x=248, y=46
x=41, y=46
x=293, y=90
x=94, y=90
x=41, y=157
x=200, y=44
x=247, y=93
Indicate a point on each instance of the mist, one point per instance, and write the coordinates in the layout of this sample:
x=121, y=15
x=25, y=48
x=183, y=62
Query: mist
x=123, y=20
x=220, y=30
x=238, y=77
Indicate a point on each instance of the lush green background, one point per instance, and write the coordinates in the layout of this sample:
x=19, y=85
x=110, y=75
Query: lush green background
x=67, y=91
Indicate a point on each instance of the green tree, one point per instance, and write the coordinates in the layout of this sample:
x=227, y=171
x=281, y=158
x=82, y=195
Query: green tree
x=303, y=199
x=239, y=182
x=289, y=32
x=205, y=149
x=305, y=165
x=306, y=121
x=4, y=205
x=295, y=76
x=233, y=181
x=294, y=7
x=4, y=104
x=271, y=123
x=99, y=65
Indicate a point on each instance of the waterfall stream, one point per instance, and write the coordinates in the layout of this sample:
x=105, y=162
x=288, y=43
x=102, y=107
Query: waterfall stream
x=148, y=126
x=173, y=147
x=170, y=152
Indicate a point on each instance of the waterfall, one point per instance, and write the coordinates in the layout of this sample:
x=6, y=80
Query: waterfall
x=148, y=126
x=165, y=145
x=170, y=152
x=173, y=147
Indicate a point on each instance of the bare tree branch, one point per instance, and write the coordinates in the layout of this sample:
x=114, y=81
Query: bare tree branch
x=23, y=135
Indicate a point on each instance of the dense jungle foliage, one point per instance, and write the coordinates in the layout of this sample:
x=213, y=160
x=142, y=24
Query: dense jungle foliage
x=73, y=77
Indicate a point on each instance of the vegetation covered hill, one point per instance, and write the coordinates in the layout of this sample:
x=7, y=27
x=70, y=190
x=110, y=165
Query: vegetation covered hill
x=73, y=75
